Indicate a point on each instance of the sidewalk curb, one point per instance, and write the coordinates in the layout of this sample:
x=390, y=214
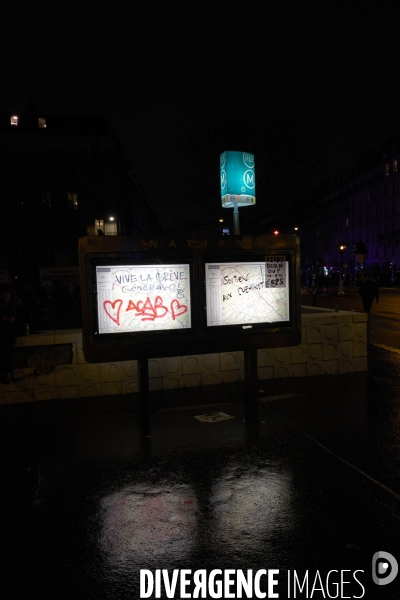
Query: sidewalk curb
x=388, y=348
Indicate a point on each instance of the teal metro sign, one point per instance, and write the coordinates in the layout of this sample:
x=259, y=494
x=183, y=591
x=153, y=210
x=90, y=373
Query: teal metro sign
x=238, y=179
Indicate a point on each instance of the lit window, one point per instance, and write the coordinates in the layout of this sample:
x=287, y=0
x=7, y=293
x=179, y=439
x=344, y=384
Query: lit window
x=395, y=165
x=42, y=123
x=99, y=226
x=72, y=199
x=14, y=120
x=111, y=228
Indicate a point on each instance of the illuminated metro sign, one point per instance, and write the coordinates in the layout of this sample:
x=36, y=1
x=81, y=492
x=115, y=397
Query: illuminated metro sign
x=238, y=179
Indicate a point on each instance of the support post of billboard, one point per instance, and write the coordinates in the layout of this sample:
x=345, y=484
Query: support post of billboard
x=251, y=378
x=238, y=183
x=143, y=387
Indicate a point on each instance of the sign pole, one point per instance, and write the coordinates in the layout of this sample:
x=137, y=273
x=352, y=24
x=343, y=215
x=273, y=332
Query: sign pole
x=236, y=226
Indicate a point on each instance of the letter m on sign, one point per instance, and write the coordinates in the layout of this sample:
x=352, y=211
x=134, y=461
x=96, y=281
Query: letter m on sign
x=249, y=179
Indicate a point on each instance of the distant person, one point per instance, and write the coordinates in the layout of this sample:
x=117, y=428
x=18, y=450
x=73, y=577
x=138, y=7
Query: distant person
x=9, y=304
x=368, y=291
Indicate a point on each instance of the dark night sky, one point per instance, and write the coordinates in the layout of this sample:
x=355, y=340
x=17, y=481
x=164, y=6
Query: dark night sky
x=151, y=70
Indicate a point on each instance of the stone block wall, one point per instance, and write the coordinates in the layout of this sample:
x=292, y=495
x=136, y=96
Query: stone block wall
x=332, y=343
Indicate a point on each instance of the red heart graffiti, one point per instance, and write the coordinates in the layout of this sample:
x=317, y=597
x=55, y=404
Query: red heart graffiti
x=180, y=309
x=113, y=304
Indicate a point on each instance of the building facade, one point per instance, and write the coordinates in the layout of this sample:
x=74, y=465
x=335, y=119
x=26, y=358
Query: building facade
x=360, y=207
x=63, y=177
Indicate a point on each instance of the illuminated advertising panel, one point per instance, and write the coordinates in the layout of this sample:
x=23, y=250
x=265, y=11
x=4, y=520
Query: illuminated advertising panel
x=143, y=297
x=248, y=292
x=166, y=297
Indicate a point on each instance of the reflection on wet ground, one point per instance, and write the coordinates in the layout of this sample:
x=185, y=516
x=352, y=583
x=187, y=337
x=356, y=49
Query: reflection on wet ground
x=311, y=484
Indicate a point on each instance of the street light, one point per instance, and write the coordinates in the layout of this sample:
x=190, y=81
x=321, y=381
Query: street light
x=342, y=248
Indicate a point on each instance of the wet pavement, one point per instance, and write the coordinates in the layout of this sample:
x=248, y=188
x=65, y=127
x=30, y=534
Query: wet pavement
x=309, y=485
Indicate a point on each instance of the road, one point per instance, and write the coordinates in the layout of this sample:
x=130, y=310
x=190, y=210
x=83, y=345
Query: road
x=310, y=485
x=385, y=315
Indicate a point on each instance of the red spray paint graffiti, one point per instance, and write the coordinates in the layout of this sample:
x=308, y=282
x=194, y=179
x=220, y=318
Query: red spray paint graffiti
x=117, y=303
x=146, y=309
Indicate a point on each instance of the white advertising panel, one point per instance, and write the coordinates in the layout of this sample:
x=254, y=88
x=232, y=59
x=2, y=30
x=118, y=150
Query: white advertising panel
x=247, y=292
x=140, y=298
